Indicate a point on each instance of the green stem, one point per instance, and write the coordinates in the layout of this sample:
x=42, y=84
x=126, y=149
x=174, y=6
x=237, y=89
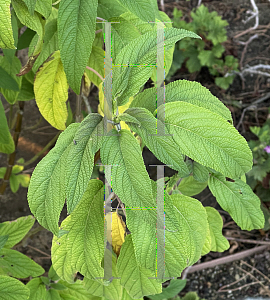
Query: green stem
x=51, y=142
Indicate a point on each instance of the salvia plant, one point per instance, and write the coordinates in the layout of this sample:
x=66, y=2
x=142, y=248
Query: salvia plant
x=162, y=229
x=207, y=51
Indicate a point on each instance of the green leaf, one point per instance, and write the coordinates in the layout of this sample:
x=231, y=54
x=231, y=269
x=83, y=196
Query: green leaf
x=207, y=138
x=16, y=264
x=45, y=280
x=6, y=140
x=12, y=69
x=6, y=81
x=31, y=4
x=37, y=289
x=113, y=290
x=50, y=43
x=141, y=51
x=13, y=289
x=52, y=274
x=186, y=91
x=34, y=22
x=130, y=181
x=82, y=248
x=238, y=199
x=51, y=91
x=136, y=280
x=207, y=243
x=218, y=50
x=145, y=10
x=44, y=7
x=160, y=143
x=25, y=39
x=14, y=183
x=109, y=8
x=76, y=32
x=200, y=173
x=126, y=296
x=52, y=295
x=23, y=179
x=175, y=287
x=3, y=240
x=80, y=160
x=224, y=82
x=6, y=33
x=206, y=58
x=9, y=53
x=218, y=242
x=46, y=193
x=16, y=229
x=58, y=286
x=27, y=90
x=193, y=63
x=189, y=186
x=76, y=290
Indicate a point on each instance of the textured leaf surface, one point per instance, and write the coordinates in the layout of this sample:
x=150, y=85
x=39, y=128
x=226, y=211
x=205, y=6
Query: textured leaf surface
x=12, y=69
x=132, y=184
x=134, y=278
x=76, y=32
x=82, y=248
x=80, y=160
x=51, y=91
x=6, y=33
x=34, y=22
x=189, y=186
x=12, y=289
x=145, y=10
x=207, y=138
x=76, y=290
x=6, y=141
x=160, y=143
x=44, y=7
x=109, y=8
x=141, y=51
x=218, y=242
x=37, y=289
x=16, y=229
x=31, y=4
x=110, y=292
x=6, y=81
x=3, y=239
x=27, y=91
x=52, y=294
x=96, y=62
x=46, y=193
x=183, y=90
x=16, y=264
x=200, y=173
x=238, y=199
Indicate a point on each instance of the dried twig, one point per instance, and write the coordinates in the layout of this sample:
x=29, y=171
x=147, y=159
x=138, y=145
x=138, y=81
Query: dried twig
x=248, y=241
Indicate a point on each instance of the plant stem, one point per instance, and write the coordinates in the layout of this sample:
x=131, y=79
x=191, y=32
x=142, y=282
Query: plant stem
x=10, y=116
x=51, y=142
x=12, y=156
x=96, y=72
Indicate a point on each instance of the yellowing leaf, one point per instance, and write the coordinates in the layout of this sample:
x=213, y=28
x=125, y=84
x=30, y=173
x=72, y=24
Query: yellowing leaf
x=51, y=91
x=118, y=229
x=6, y=34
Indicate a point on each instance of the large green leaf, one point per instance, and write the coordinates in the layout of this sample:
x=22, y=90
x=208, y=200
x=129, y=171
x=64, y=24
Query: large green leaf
x=6, y=140
x=27, y=90
x=12, y=289
x=6, y=81
x=110, y=292
x=80, y=160
x=76, y=32
x=6, y=33
x=44, y=7
x=189, y=186
x=16, y=264
x=136, y=279
x=52, y=294
x=16, y=229
x=141, y=51
x=12, y=69
x=31, y=4
x=46, y=193
x=218, y=242
x=238, y=199
x=82, y=247
x=109, y=8
x=34, y=22
x=3, y=240
x=96, y=62
x=161, y=144
x=132, y=184
x=207, y=138
x=145, y=10
x=37, y=289
x=183, y=90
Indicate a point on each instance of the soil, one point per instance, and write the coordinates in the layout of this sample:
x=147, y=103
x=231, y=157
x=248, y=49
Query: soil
x=249, y=277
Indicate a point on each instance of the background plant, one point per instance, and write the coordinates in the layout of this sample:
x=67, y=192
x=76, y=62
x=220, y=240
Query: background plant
x=207, y=52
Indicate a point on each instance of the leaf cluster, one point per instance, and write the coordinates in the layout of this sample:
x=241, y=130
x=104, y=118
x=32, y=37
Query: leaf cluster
x=207, y=52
